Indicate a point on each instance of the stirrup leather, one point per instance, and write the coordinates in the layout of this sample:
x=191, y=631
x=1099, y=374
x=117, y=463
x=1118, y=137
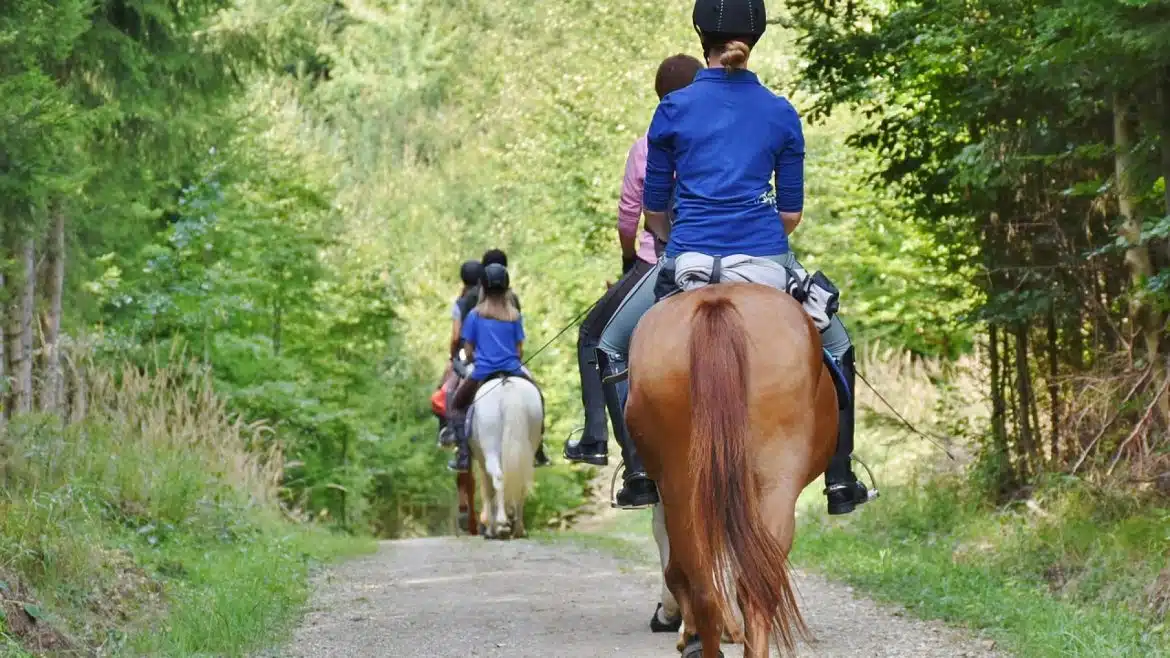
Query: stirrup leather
x=617, y=377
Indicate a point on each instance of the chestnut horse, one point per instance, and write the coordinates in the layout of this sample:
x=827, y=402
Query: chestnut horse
x=467, y=521
x=734, y=413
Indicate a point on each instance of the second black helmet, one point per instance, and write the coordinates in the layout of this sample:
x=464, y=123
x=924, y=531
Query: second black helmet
x=495, y=277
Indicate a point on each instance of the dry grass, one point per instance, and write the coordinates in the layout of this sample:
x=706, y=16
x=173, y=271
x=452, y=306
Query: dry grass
x=174, y=409
x=946, y=400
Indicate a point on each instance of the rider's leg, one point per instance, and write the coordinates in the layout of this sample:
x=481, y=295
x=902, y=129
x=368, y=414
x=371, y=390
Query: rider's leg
x=591, y=448
x=843, y=489
x=637, y=489
x=462, y=399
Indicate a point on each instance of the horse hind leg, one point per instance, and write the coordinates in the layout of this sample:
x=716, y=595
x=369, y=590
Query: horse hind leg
x=701, y=639
x=503, y=529
x=676, y=581
x=756, y=629
x=518, y=529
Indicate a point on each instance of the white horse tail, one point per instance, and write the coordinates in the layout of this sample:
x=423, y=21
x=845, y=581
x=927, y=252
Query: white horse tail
x=518, y=449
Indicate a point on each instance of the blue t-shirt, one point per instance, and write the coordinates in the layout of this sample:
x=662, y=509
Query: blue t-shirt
x=726, y=138
x=495, y=344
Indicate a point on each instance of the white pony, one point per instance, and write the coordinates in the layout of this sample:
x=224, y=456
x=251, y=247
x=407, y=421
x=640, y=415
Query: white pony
x=506, y=423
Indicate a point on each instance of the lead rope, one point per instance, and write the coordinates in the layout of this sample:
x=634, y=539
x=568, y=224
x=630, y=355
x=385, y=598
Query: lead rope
x=937, y=442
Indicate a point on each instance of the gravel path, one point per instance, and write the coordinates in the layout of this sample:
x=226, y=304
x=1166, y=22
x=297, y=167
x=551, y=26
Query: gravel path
x=457, y=597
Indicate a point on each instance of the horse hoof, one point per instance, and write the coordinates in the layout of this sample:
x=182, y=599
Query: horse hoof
x=668, y=626
x=694, y=648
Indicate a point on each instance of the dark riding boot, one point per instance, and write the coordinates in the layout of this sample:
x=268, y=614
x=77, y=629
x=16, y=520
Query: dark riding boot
x=462, y=461
x=842, y=487
x=637, y=490
x=541, y=459
x=592, y=448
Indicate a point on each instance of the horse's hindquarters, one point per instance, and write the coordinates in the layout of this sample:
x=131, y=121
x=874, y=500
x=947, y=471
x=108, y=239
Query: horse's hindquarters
x=725, y=407
x=506, y=430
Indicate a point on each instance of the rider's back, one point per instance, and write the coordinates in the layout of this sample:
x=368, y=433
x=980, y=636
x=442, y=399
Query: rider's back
x=727, y=137
x=495, y=343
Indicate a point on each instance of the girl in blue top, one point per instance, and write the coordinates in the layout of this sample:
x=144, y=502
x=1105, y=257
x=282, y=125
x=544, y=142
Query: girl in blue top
x=735, y=153
x=494, y=335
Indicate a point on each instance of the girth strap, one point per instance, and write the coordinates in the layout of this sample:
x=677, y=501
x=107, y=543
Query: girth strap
x=716, y=269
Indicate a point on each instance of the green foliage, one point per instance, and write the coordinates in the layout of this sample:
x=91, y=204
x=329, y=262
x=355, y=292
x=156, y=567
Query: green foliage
x=284, y=190
x=1031, y=138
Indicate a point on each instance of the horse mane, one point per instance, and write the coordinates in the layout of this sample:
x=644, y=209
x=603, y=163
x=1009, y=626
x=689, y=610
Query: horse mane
x=724, y=504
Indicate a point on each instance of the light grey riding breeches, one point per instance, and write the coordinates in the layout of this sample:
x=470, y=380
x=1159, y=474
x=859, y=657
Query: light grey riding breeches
x=615, y=338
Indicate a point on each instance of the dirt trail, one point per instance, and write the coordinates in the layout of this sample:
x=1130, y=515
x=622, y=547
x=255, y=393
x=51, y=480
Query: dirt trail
x=457, y=597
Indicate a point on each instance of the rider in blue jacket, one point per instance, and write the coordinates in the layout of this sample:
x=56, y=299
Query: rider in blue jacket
x=734, y=153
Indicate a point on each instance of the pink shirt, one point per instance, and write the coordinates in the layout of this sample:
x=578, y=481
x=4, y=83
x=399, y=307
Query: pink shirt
x=630, y=203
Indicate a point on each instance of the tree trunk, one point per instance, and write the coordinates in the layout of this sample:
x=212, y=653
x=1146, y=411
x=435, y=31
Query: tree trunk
x=1137, y=256
x=1024, y=394
x=1164, y=139
x=20, y=328
x=51, y=387
x=998, y=410
x=1053, y=387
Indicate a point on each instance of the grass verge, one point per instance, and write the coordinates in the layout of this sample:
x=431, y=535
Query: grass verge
x=1073, y=573
x=151, y=527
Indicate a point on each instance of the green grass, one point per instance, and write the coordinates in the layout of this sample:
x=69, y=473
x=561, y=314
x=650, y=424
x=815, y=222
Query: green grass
x=151, y=528
x=227, y=599
x=1074, y=579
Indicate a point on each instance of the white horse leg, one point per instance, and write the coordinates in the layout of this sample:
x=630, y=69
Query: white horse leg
x=495, y=479
x=670, y=608
x=487, y=495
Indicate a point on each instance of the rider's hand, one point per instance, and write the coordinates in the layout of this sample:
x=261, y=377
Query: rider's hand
x=627, y=263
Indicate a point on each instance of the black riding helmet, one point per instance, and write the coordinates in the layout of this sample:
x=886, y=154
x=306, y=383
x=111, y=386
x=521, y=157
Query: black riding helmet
x=720, y=21
x=495, y=278
x=470, y=272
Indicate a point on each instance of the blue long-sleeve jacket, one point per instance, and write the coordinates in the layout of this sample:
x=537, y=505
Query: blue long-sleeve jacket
x=726, y=137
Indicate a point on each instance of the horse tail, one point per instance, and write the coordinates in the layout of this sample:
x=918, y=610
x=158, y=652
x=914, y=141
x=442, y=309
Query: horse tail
x=516, y=441
x=725, y=512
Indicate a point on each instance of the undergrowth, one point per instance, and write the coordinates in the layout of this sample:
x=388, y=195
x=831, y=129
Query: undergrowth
x=151, y=527
x=1067, y=568
x=1078, y=572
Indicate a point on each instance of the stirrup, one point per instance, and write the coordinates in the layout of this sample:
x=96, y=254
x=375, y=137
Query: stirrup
x=844, y=497
x=614, y=491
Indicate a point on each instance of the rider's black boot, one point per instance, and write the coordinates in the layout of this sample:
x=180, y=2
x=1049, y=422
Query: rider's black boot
x=541, y=459
x=843, y=489
x=592, y=448
x=462, y=461
x=637, y=490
